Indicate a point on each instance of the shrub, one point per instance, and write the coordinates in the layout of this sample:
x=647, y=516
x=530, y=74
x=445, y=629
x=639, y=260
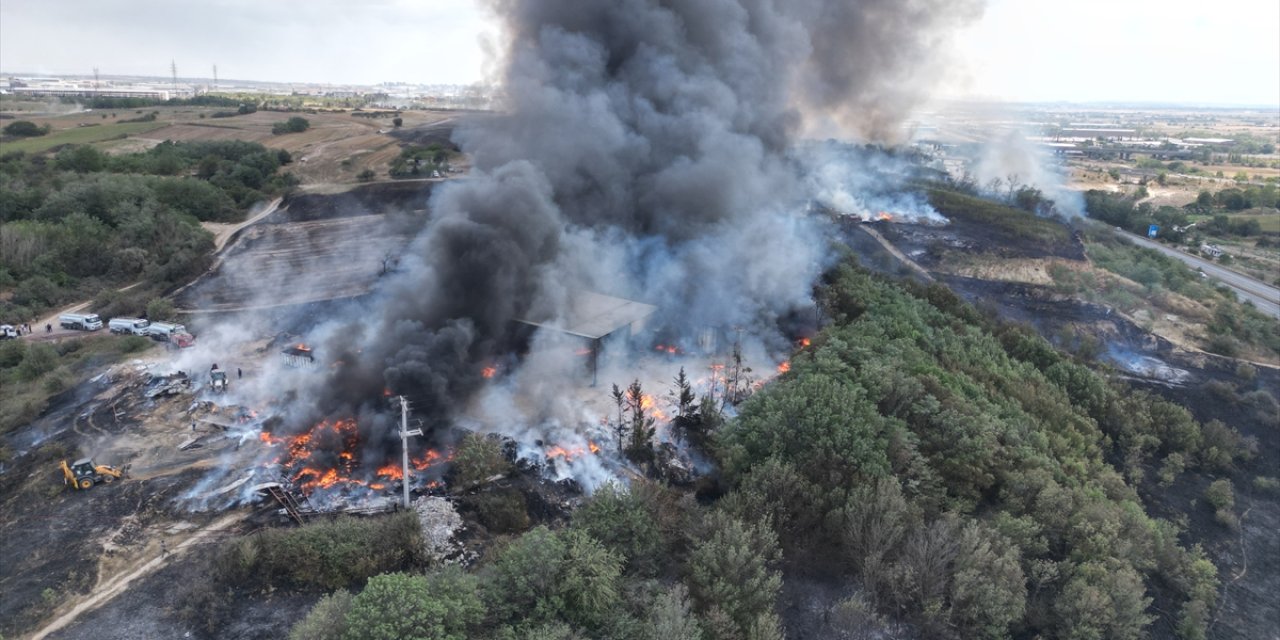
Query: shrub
x=322, y=555
x=621, y=521
x=296, y=124
x=327, y=620
x=25, y=129
x=1266, y=484
x=1220, y=494
x=476, y=459
x=159, y=310
x=502, y=511
x=443, y=606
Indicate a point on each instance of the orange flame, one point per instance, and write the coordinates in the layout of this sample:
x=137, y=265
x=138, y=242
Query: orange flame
x=884, y=216
x=784, y=367
x=804, y=342
x=649, y=404
x=310, y=472
x=557, y=451
x=489, y=372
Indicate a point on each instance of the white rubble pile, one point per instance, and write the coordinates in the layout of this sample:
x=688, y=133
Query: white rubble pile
x=440, y=526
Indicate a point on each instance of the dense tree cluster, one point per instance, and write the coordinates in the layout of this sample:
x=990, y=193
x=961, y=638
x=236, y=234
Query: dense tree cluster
x=80, y=220
x=980, y=484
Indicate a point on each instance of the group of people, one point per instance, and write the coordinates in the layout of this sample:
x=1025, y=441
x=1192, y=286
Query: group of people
x=25, y=328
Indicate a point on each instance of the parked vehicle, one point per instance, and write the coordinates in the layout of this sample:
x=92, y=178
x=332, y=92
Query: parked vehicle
x=80, y=321
x=7, y=332
x=164, y=331
x=133, y=326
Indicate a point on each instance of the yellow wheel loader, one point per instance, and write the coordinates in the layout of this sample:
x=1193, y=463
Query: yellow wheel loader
x=83, y=473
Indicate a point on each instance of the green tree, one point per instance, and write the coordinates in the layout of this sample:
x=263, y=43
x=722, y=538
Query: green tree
x=733, y=570
x=621, y=521
x=1102, y=600
x=296, y=124
x=327, y=620
x=80, y=158
x=366, y=176
x=25, y=129
x=395, y=606
x=670, y=617
x=397, y=121
x=160, y=310
x=478, y=458
x=544, y=576
x=642, y=427
x=38, y=360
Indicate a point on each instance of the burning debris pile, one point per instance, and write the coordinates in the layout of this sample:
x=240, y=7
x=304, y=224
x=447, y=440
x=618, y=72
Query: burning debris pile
x=331, y=465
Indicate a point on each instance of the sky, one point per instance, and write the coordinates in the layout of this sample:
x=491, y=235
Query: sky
x=1168, y=51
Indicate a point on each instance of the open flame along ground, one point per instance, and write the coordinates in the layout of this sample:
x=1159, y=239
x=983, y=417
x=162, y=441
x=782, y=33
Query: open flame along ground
x=332, y=455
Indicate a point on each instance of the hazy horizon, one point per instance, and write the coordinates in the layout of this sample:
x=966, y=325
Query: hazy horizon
x=1090, y=52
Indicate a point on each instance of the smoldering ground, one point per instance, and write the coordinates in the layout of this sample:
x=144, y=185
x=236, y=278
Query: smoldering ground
x=644, y=150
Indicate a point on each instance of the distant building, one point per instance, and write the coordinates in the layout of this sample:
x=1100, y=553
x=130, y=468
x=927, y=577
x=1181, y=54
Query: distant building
x=1217, y=141
x=1094, y=133
x=58, y=88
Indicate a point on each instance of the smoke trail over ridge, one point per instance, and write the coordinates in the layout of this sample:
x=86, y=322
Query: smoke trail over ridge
x=644, y=150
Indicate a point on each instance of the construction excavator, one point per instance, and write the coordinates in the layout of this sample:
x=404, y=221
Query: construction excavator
x=83, y=473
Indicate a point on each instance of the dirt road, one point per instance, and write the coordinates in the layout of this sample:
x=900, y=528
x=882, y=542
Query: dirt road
x=222, y=232
x=110, y=587
x=38, y=333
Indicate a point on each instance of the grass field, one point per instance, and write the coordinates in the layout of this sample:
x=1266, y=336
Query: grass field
x=1270, y=222
x=79, y=135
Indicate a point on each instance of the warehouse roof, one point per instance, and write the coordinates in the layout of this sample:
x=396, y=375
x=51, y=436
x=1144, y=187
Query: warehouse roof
x=595, y=315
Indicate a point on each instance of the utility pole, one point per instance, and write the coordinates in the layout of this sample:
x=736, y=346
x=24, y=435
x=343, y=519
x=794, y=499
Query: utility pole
x=215, y=77
x=173, y=68
x=404, y=445
x=95, y=82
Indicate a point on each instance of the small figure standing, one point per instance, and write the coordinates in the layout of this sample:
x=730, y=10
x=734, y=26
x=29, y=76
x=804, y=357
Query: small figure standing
x=164, y=549
x=193, y=425
x=239, y=373
x=48, y=328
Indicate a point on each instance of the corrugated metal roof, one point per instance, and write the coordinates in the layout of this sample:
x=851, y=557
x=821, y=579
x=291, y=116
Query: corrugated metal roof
x=595, y=315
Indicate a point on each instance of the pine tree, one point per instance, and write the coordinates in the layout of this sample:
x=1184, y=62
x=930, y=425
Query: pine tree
x=642, y=426
x=619, y=427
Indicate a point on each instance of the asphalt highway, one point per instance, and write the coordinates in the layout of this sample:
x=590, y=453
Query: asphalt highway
x=1264, y=297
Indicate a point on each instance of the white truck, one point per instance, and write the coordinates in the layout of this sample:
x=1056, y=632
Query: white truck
x=80, y=321
x=172, y=333
x=8, y=332
x=132, y=326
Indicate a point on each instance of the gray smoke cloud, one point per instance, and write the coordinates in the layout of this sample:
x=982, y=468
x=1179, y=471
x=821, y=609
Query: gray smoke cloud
x=1012, y=158
x=644, y=150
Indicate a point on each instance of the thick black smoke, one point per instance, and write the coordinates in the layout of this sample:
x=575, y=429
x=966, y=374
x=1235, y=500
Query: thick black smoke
x=644, y=150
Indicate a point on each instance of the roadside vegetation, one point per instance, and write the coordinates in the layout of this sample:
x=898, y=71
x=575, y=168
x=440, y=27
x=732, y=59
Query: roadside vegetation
x=79, y=223
x=1166, y=285
x=32, y=372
